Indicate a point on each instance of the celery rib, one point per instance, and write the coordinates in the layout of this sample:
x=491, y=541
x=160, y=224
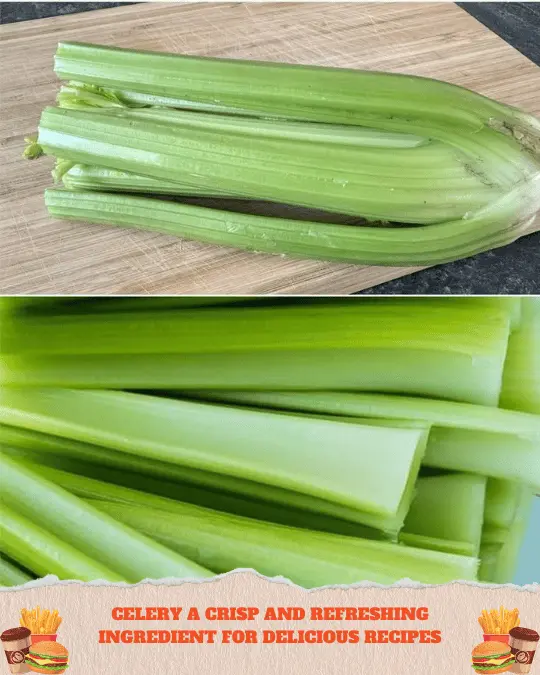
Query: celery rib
x=26, y=494
x=45, y=553
x=423, y=245
x=447, y=514
x=463, y=437
x=224, y=542
x=197, y=487
x=283, y=90
x=11, y=574
x=409, y=185
x=219, y=439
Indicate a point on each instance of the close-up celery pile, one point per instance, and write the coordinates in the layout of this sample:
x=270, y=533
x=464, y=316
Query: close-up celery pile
x=327, y=441
x=428, y=172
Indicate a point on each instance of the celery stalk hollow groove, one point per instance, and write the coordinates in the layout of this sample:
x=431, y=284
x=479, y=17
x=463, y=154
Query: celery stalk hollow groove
x=305, y=455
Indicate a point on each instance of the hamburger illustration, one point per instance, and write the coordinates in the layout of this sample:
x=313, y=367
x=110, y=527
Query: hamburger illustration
x=492, y=657
x=47, y=657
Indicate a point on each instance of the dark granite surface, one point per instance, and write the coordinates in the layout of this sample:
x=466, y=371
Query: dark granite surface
x=514, y=269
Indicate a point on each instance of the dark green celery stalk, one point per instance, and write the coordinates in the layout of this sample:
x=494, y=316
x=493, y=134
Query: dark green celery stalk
x=226, y=542
x=330, y=460
x=170, y=480
x=11, y=574
x=446, y=514
x=131, y=556
x=44, y=552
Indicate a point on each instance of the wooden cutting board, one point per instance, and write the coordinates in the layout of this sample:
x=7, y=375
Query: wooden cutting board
x=40, y=255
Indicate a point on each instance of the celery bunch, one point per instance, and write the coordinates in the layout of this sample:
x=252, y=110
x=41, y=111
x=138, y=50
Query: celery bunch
x=322, y=440
x=435, y=171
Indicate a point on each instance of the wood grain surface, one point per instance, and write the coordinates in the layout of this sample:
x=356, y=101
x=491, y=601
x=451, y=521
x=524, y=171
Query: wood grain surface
x=40, y=255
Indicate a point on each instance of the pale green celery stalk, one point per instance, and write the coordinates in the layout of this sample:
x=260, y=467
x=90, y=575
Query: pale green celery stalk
x=84, y=177
x=503, y=444
x=521, y=379
x=446, y=514
x=498, y=564
x=423, y=245
x=225, y=542
x=439, y=413
x=156, y=489
x=371, y=346
x=44, y=552
x=496, y=455
x=11, y=574
x=170, y=480
x=127, y=553
x=309, y=559
x=350, y=465
x=429, y=183
x=332, y=95
x=502, y=501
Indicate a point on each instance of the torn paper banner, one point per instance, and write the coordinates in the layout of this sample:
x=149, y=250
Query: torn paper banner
x=244, y=623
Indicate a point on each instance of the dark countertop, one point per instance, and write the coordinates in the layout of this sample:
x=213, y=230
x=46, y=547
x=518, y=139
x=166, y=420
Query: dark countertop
x=514, y=269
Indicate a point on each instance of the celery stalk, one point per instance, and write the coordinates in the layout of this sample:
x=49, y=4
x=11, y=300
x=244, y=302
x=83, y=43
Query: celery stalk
x=401, y=102
x=502, y=501
x=439, y=413
x=85, y=177
x=463, y=437
x=371, y=346
x=521, y=380
x=447, y=514
x=219, y=439
x=426, y=184
x=498, y=563
x=224, y=542
x=309, y=559
x=11, y=574
x=25, y=494
x=339, y=325
x=422, y=245
x=44, y=552
x=168, y=480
